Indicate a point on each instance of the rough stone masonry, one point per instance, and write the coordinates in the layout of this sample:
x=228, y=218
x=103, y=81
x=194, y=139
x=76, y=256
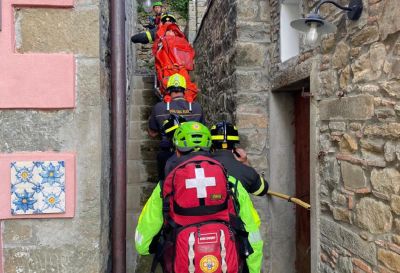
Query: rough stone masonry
x=355, y=81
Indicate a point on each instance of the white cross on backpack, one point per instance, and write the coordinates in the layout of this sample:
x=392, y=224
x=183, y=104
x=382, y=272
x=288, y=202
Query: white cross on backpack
x=200, y=182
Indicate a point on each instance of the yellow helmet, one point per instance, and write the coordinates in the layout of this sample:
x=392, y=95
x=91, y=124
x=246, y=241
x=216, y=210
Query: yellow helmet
x=176, y=82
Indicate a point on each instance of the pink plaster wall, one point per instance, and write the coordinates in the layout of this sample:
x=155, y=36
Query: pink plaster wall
x=33, y=80
x=5, y=183
x=1, y=247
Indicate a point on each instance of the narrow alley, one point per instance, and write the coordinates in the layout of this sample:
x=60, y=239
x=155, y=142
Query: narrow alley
x=101, y=100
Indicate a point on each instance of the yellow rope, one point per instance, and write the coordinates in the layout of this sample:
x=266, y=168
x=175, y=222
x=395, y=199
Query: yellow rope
x=290, y=199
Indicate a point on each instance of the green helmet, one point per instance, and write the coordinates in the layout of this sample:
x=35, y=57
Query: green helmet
x=157, y=4
x=192, y=136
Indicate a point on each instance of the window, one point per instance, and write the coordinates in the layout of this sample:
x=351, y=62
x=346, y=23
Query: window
x=289, y=37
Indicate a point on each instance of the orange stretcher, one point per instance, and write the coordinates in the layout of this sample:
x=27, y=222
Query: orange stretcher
x=173, y=54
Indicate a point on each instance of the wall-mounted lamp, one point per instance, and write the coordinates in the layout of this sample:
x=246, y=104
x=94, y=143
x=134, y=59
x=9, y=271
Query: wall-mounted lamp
x=314, y=25
x=147, y=6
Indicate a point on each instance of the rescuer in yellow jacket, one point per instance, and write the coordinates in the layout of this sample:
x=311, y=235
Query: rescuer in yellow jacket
x=151, y=219
x=224, y=137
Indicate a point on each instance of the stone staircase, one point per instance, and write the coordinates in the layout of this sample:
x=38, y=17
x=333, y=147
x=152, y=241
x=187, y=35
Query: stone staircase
x=141, y=165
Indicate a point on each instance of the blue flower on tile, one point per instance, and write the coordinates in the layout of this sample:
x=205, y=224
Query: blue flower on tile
x=51, y=174
x=38, y=163
x=24, y=174
x=52, y=201
x=37, y=188
x=24, y=201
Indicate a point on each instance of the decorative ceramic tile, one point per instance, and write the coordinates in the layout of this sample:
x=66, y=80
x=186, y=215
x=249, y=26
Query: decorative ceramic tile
x=37, y=187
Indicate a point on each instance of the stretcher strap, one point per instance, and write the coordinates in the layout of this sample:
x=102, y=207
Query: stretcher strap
x=224, y=266
x=173, y=67
x=191, y=253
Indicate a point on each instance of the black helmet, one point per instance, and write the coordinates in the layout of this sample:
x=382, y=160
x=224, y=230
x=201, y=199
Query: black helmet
x=171, y=124
x=224, y=135
x=168, y=17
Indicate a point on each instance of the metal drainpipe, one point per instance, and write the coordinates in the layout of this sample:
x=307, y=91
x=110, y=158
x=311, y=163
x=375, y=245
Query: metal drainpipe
x=118, y=135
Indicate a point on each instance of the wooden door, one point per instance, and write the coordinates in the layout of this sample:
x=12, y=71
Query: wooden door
x=302, y=161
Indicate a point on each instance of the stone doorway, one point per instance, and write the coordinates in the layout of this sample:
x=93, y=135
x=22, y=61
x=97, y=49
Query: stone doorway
x=302, y=169
x=290, y=174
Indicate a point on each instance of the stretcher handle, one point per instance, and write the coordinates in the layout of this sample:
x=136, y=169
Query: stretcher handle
x=290, y=199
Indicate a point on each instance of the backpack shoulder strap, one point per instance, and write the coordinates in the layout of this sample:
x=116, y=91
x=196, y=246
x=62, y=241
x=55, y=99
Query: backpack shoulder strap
x=233, y=192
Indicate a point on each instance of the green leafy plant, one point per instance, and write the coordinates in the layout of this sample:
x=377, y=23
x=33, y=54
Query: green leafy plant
x=140, y=8
x=180, y=6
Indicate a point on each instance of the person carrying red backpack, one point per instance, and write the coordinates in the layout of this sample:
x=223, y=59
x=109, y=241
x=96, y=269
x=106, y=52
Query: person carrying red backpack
x=200, y=219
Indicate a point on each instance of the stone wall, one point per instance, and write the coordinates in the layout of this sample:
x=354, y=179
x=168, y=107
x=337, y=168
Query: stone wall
x=196, y=11
x=80, y=244
x=214, y=63
x=354, y=79
x=144, y=56
x=356, y=82
x=131, y=8
x=231, y=74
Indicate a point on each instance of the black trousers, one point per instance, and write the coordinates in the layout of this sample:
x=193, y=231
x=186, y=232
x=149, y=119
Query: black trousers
x=142, y=37
x=162, y=157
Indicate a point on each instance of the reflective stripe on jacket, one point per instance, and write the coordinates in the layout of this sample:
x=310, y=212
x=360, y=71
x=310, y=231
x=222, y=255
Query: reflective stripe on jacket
x=252, y=181
x=252, y=222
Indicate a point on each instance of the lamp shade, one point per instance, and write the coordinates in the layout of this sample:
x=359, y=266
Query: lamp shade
x=304, y=24
x=147, y=6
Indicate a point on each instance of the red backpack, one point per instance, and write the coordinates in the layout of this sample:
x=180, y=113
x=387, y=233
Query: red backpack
x=201, y=231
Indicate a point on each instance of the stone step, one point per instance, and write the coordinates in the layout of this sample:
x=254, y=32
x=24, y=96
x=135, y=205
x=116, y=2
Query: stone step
x=131, y=222
x=146, y=78
x=142, y=82
x=143, y=89
x=140, y=193
x=139, y=171
x=143, y=97
x=140, y=113
x=137, y=130
x=142, y=149
x=142, y=174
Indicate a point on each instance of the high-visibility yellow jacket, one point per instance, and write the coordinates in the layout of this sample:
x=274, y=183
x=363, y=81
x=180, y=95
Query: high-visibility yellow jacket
x=151, y=221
